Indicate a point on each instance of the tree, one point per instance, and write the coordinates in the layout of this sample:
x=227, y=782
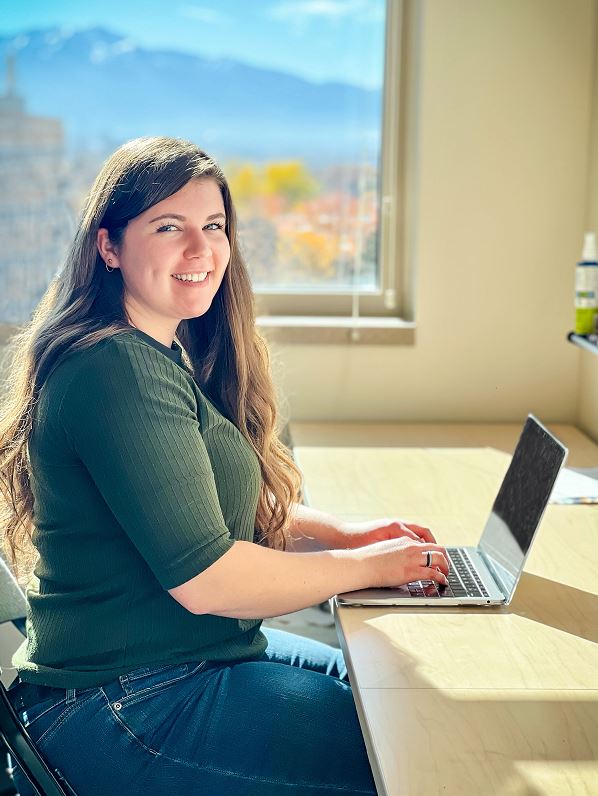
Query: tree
x=308, y=254
x=245, y=184
x=290, y=180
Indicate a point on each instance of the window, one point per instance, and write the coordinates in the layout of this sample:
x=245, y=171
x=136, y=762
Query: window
x=337, y=248
x=299, y=100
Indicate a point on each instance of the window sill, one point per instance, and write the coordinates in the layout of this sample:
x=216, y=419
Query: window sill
x=304, y=329
x=326, y=330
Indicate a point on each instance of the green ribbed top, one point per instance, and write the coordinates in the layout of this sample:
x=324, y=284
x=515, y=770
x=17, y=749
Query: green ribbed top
x=139, y=484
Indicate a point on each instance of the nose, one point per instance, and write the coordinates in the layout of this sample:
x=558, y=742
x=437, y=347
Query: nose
x=198, y=245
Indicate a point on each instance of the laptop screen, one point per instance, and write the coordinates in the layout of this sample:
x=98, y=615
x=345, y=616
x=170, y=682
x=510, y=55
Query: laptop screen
x=521, y=501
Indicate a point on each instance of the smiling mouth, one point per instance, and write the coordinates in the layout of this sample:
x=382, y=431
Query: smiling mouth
x=196, y=277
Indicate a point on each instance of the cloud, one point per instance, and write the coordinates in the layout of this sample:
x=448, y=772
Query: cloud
x=101, y=51
x=203, y=14
x=56, y=38
x=20, y=41
x=332, y=10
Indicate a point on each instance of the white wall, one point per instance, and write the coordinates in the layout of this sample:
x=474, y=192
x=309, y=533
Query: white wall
x=504, y=121
x=587, y=416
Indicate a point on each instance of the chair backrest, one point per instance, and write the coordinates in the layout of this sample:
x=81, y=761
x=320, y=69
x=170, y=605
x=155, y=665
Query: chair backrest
x=12, y=600
x=12, y=733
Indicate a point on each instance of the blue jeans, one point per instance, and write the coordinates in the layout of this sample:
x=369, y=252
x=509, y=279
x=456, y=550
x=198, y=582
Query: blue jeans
x=282, y=724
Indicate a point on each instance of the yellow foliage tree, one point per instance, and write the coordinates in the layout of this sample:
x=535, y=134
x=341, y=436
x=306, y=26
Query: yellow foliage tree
x=245, y=184
x=308, y=253
x=291, y=180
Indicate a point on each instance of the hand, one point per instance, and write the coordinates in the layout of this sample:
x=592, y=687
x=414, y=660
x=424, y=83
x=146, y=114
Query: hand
x=358, y=534
x=397, y=561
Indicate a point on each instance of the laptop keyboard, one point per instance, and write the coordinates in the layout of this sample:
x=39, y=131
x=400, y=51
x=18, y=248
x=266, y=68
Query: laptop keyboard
x=464, y=581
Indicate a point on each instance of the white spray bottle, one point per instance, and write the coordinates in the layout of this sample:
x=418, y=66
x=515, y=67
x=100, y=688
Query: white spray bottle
x=586, y=287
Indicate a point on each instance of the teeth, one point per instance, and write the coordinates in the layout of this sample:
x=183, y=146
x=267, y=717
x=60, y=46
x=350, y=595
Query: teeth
x=191, y=277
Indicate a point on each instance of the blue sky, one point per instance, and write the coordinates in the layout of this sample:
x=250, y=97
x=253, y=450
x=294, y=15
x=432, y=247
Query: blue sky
x=317, y=39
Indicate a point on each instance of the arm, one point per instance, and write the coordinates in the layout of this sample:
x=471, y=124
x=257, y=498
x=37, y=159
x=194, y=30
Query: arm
x=252, y=581
x=314, y=529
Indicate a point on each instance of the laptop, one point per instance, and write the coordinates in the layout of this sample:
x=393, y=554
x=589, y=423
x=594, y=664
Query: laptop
x=488, y=574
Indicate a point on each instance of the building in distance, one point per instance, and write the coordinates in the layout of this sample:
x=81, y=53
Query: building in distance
x=36, y=222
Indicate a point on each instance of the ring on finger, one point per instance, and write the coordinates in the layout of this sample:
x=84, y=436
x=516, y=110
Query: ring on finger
x=429, y=558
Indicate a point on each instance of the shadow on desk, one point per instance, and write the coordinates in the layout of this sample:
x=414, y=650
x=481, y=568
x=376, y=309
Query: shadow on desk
x=557, y=605
x=548, y=602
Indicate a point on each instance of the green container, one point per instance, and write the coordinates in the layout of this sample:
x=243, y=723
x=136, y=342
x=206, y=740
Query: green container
x=585, y=320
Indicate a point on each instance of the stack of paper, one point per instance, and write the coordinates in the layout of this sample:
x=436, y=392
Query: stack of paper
x=574, y=487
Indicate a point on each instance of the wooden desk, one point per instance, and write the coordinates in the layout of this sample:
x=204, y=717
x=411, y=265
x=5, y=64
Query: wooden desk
x=470, y=701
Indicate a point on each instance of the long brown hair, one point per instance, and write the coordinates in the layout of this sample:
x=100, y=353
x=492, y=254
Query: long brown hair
x=85, y=304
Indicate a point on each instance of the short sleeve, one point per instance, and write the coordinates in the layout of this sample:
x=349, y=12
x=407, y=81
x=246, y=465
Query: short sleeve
x=131, y=417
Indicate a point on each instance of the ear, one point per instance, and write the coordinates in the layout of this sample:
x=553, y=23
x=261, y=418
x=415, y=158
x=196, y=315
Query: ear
x=107, y=249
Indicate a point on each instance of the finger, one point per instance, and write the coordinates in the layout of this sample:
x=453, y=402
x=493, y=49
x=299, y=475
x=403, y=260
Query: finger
x=405, y=531
x=435, y=559
x=423, y=533
x=434, y=573
x=430, y=573
x=437, y=547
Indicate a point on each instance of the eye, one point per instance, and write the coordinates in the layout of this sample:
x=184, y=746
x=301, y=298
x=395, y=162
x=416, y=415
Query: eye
x=216, y=224
x=167, y=228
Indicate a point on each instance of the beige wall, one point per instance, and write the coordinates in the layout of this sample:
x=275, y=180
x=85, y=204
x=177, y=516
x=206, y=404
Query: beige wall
x=504, y=124
x=587, y=418
x=587, y=415
x=592, y=214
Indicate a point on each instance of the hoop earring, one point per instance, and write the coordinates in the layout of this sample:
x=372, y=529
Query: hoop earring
x=110, y=270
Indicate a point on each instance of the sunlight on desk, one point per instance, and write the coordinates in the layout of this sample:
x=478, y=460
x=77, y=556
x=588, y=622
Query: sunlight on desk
x=461, y=741
x=471, y=701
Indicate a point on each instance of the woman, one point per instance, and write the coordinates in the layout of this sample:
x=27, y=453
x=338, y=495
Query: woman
x=141, y=467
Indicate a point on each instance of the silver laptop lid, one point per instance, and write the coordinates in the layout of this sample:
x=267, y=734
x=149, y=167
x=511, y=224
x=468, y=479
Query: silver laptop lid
x=521, y=502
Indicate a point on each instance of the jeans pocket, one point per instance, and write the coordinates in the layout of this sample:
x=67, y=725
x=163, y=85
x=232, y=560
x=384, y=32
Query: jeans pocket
x=149, y=702
x=150, y=677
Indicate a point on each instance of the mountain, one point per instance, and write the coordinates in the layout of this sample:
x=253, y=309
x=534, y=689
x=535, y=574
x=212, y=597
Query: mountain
x=107, y=90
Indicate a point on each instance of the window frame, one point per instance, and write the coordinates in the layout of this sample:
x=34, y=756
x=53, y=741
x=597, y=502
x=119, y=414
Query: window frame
x=393, y=298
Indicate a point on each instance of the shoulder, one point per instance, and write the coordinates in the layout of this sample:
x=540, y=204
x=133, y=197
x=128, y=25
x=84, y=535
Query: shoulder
x=120, y=355
x=116, y=369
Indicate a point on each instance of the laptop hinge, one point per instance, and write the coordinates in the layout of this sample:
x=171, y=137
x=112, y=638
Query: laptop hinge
x=494, y=572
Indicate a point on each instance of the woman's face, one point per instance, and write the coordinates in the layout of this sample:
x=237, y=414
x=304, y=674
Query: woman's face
x=172, y=258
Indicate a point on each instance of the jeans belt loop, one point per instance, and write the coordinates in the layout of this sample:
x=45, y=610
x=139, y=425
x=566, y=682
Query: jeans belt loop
x=123, y=679
x=71, y=695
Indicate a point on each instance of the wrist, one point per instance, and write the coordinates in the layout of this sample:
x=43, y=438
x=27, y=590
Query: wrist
x=340, y=536
x=358, y=567
x=326, y=529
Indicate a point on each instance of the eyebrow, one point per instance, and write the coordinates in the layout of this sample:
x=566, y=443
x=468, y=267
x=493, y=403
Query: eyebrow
x=183, y=218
